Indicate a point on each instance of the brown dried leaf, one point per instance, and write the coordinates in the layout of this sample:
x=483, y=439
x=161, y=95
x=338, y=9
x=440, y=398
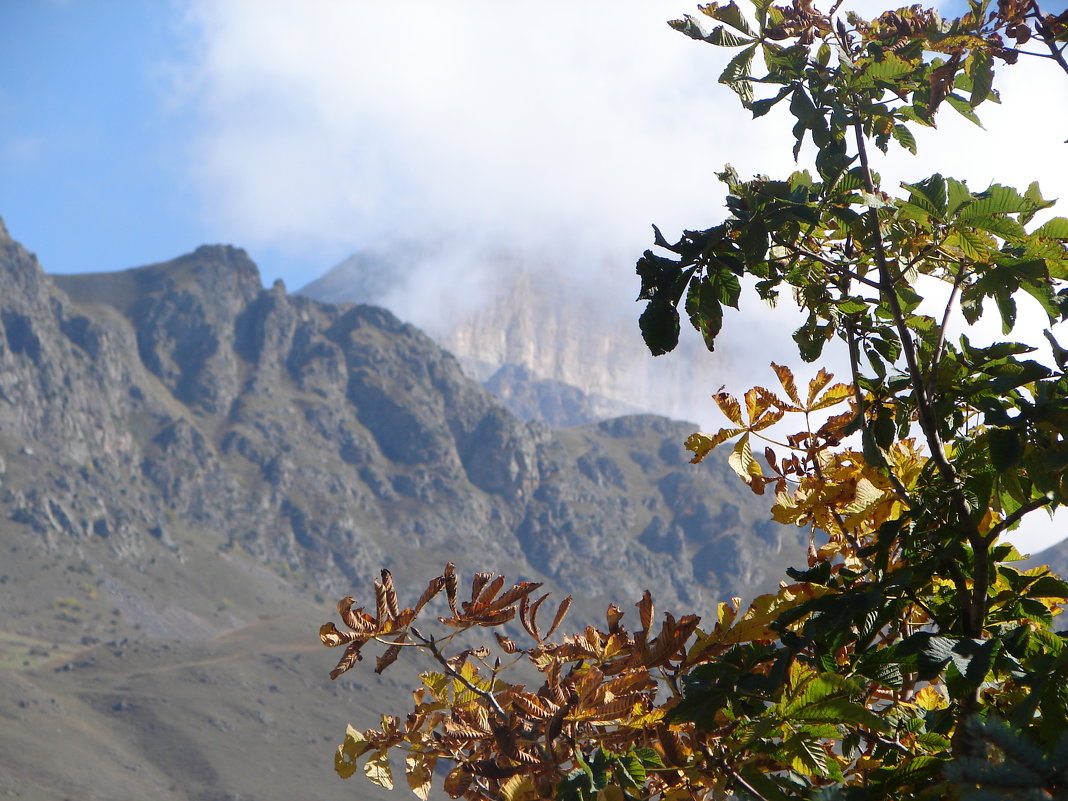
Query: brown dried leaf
x=391, y=593
x=535, y=633
x=348, y=659
x=381, y=605
x=506, y=643
x=521, y=589
x=786, y=378
x=450, y=587
x=495, y=618
x=728, y=404
x=436, y=585
x=458, y=780
x=645, y=610
x=532, y=705
x=405, y=617
x=389, y=656
x=478, y=581
x=332, y=638
x=558, y=618
x=616, y=708
x=489, y=592
x=505, y=739
x=628, y=681
x=614, y=615
x=356, y=619
x=524, y=616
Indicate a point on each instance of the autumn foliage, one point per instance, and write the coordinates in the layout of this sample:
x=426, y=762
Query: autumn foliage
x=911, y=657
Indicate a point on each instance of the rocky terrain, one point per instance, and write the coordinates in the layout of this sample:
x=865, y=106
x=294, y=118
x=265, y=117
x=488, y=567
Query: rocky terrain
x=193, y=468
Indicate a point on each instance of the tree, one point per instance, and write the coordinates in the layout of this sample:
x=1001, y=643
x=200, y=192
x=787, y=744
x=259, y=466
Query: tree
x=909, y=658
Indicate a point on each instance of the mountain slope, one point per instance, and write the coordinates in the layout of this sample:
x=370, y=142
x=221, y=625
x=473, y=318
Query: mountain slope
x=194, y=467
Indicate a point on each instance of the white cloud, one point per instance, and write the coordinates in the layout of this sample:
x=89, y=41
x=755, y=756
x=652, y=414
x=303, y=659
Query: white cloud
x=558, y=125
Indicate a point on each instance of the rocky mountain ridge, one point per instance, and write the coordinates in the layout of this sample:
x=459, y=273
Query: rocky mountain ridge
x=567, y=322
x=193, y=467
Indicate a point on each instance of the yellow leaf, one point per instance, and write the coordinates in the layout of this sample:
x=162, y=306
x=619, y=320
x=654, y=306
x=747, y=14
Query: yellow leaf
x=612, y=792
x=438, y=684
x=702, y=444
x=518, y=788
x=822, y=379
x=343, y=766
x=757, y=401
x=355, y=745
x=742, y=462
x=378, y=771
x=419, y=768
x=786, y=378
x=728, y=404
x=835, y=394
x=769, y=419
x=457, y=782
x=929, y=698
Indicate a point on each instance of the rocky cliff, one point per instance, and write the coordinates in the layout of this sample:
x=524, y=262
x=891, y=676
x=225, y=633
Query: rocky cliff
x=193, y=467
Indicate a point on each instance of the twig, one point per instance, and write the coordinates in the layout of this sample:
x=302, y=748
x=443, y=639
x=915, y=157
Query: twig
x=432, y=644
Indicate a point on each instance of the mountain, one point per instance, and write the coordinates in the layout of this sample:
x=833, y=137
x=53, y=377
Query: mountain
x=193, y=468
x=565, y=323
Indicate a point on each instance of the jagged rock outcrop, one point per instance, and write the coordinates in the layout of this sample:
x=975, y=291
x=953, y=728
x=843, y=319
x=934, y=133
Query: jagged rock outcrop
x=330, y=439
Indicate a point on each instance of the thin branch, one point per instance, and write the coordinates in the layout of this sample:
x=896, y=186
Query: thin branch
x=941, y=342
x=432, y=644
x=1008, y=522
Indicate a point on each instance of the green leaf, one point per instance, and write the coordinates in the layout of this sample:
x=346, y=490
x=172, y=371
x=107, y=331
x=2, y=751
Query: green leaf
x=904, y=138
x=705, y=310
x=840, y=710
x=998, y=199
x=736, y=75
x=1057, y=228
x=964, y=108
x=659, y=325
x=1006, y=447
x=930, y=194
x=688, y=26
x=888, y=69
x=724, y=38
x=981, y=71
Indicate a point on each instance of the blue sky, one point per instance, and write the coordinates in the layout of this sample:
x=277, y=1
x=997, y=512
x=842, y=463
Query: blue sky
x=90, y=175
